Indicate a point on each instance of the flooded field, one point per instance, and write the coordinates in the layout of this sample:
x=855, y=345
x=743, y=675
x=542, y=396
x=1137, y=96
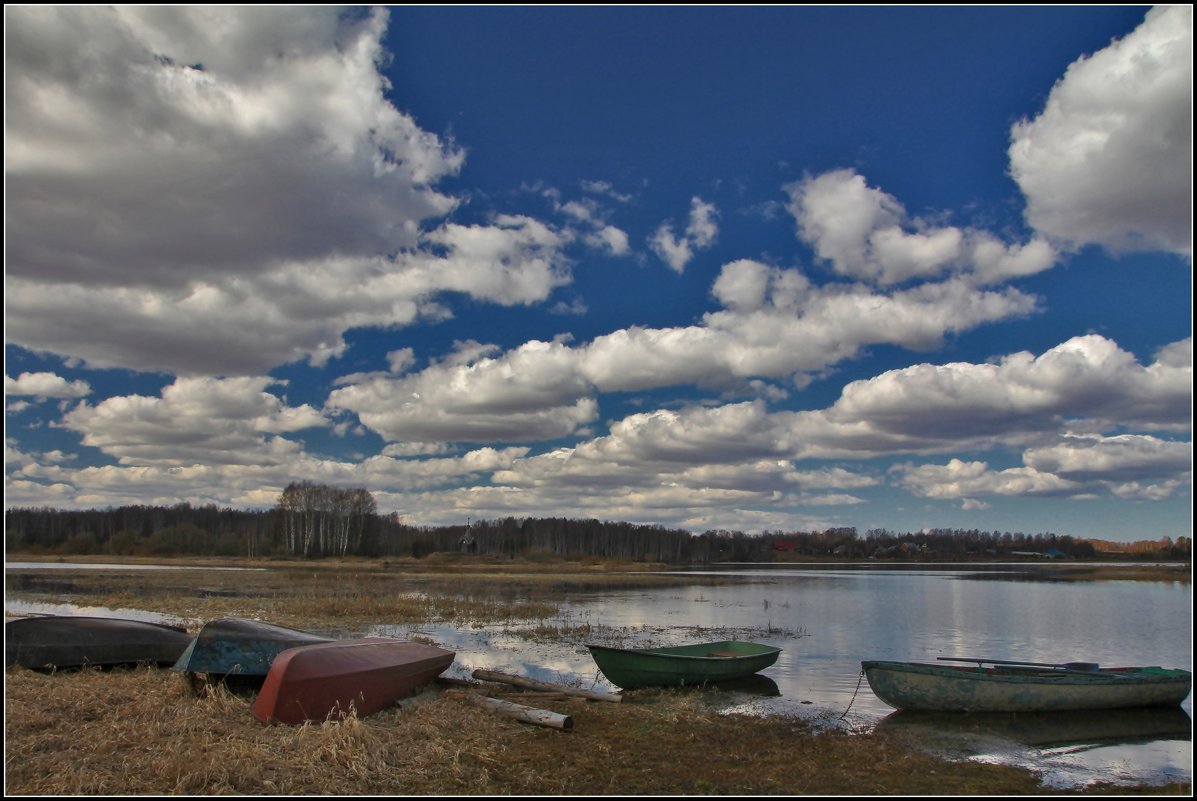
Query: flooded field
x=825, y=620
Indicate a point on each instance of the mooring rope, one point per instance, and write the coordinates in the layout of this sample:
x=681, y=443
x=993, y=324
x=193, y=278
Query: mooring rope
x=859, y=679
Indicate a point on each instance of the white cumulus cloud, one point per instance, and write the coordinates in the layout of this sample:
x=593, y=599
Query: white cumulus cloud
x=700, y=233
x=1109, y=160
x=45, y=385
x=866, y=234
x=215, y=190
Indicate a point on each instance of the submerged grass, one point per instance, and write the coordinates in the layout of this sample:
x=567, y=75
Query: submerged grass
x=343, y=593
x=297, y=597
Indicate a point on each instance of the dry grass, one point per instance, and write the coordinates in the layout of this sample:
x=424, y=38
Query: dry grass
x=142, y=732
x=130, y=732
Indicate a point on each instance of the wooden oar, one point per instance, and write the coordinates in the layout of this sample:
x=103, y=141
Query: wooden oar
x=1079, y=667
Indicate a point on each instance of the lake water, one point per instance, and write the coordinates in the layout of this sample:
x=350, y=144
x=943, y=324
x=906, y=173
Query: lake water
x=830, y=618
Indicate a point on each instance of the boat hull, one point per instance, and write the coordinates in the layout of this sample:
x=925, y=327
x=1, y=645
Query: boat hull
x=686, y=665
x=66, y=641
x=937, y=688
x=316, y=682
x=237, y=647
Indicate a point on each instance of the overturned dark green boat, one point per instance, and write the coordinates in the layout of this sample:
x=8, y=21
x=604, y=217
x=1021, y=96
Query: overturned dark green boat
x=69, y=641
x=683, y=665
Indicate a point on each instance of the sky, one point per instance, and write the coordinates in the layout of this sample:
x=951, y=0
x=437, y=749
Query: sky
x=774, y=268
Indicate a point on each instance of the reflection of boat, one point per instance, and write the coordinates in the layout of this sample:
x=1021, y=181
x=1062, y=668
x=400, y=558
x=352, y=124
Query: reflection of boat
x=312, y=682
x=236, y=647
x=757, y=684
x=67, y=641
x=705, y=663
x=1023, y=687
x=1053, y=729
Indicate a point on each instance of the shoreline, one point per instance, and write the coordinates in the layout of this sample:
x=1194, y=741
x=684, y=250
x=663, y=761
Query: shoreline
x=145, y=719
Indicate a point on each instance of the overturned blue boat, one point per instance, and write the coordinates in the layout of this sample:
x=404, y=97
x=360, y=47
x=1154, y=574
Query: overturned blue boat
x=236, y=647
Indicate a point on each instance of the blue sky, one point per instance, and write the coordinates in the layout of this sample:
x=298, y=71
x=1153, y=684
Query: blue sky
x=754, y=269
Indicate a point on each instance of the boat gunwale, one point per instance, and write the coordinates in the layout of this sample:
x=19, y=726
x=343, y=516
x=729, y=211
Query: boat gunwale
x=243, y=625
x=676, y=652
x=295, y=658
x=1013, y=675
x=101, y=621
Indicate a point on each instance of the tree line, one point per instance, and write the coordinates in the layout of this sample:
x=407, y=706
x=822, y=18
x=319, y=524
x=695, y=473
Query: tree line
x=943, y=544
x=316, y=520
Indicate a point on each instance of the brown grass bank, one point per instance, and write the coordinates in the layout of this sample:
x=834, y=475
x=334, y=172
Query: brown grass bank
x=141, y=731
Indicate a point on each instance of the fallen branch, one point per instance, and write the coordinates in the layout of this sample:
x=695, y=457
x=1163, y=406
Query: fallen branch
x=540, y=695
x=526, y=714
x=520, y=681
x=451, y=681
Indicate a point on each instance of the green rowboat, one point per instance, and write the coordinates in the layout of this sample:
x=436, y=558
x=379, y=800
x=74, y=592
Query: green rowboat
x=1024, y=687
x=684, y=665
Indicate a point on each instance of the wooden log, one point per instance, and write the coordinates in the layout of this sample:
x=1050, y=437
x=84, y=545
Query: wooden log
x=450, y=681
x=520, y=681
x=525, y=714
x=540, y=695
x=488, y=689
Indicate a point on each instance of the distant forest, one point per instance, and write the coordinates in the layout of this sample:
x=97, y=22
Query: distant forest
x=317, y=521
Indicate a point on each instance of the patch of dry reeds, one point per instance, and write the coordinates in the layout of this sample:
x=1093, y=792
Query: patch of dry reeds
x=124, y=732
x=141, y=731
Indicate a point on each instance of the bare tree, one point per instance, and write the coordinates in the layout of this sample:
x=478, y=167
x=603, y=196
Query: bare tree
x=319, y=520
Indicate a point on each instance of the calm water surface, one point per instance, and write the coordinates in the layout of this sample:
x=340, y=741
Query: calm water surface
x=828, y=619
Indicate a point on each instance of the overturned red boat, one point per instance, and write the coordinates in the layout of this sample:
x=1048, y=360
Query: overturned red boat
x=316, y=682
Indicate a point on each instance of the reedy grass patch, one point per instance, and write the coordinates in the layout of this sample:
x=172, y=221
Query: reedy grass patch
x=141, y=732
x=129, y=732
